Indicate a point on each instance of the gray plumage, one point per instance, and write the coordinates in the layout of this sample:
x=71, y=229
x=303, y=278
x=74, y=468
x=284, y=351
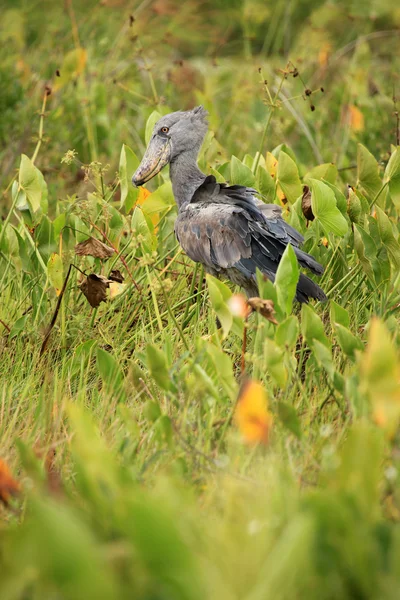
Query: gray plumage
x=225, y=228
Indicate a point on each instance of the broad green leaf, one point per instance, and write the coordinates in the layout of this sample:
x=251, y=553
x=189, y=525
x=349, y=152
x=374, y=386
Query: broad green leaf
x=287, y=332
x=151, y=121
x=218, y=296
x=18, y=326
x=387, y=236
x=323, y=355
x=327, y=172
x=274, y=362
x=288, y=177
x=368, y=173
x=323, y=203
x=365, y=247
x=348, y=342
x=58, y=225
x=312, y=327
x=341, y=201
x=241, y=174
x=160, y=200
x=109, y=370
x=220, y=178
x=141, y=230
x=276, y=152
x=55, y=272
x=339, y=315
x=392, y=175
x=157, y=365
x=30, y=182
x=265, y=184
x=286, y=279
x=128, y=164
x=288, y=417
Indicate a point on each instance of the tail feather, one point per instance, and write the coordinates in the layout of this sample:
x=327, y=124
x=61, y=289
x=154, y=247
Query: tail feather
x=307, y=288
x=308, y=261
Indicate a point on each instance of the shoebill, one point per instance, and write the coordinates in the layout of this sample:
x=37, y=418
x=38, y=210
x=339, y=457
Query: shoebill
x=223, y=227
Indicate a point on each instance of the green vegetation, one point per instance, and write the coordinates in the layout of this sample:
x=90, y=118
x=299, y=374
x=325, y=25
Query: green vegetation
x=133, y=463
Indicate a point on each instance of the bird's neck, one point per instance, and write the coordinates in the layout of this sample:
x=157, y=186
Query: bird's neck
x=186, y=177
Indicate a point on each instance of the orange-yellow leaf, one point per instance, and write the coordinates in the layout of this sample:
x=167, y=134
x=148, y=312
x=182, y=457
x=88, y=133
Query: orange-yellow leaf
x=324, y=53
x=251, y=415
x=356, y=118
x=8, y=486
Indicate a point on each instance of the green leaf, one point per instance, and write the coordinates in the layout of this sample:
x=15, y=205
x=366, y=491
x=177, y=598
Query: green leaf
x=58, y=225
x=141, y=229
x=219, y=293
x=274, y=362
x=392, y=175
x=365, y=247
x=18, y=326
x=288, y=177
x=348, y=342
x=312, y=327
x=55, y=272
x=287, y=332
x=30, y=182
x=265, y=184
x=339, y=315
x=109, y=370
x=151, y=121
x=288, y=417
x=368, y=173
x=157, y=365
x=241, y=174
x=341, y=201
x=387, y=236
x=323, y=203
x=287, y=276
x=128, y=163
x=328, y=172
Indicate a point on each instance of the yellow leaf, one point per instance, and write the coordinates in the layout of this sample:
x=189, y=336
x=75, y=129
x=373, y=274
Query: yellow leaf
x=143, y=195
x=251, y=415
x=356, y=118
x=324, y=53
x=380, y=370
x=116, y=289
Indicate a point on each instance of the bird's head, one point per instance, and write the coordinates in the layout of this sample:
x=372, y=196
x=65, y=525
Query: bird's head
x=173, y=134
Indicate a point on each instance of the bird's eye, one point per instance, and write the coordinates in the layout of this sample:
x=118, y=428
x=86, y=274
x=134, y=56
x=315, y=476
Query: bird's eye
x=164, y=129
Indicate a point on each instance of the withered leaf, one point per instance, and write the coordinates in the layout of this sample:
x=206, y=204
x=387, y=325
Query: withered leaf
x=117, y=276
x=264, y=307
x=94, y=287
x=8, y=486
x=306, y=204
x=93, y=247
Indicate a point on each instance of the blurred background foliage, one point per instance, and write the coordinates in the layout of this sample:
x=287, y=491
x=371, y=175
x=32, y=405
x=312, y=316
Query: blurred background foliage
x=118, y=61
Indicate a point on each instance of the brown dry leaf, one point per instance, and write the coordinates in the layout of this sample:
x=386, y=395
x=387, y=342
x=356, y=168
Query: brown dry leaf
x=306, y=204
x=251, y=414
x=93, y=247
x=264, y=307
x=8, y=485
x=116, y=275
x=95, y=287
